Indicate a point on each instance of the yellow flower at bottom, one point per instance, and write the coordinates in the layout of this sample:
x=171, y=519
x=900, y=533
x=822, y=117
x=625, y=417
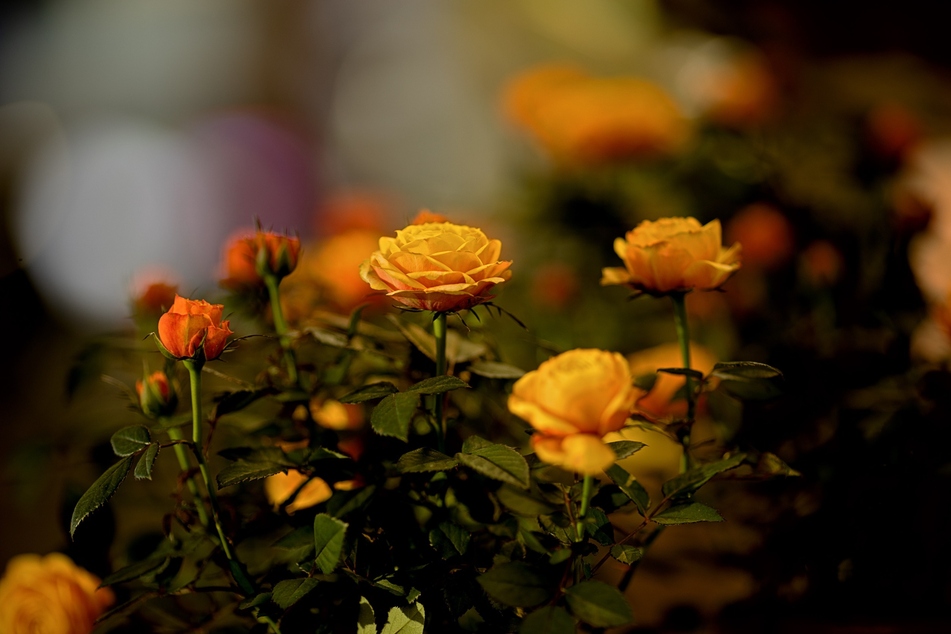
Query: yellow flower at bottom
x=573, y=400
x=50, y=595
x=280, y=486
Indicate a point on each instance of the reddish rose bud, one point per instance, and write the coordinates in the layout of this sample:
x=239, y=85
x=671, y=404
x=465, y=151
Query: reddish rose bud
x=275, y=254
x=156, y=397
x=193, y=329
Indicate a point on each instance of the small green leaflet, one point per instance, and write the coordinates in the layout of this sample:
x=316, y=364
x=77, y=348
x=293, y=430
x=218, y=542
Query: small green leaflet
x=288, y=592
x=687, y=483
x=631, y=487
x=438, y=385
x=393, y=415
x=366, y=619
x=130, y=440
x=498, y=462
x=369, y=392
x=328, y=541
x=100, y=491
x=517, y=585
x=408, y=620
x=687, y=514
x=143, y=470
x=548, y=620
x=598, y=604
x=425, y=460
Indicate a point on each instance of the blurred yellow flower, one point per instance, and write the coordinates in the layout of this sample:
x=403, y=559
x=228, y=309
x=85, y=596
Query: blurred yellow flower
x=587, y=120
x=280, y=486
x=442, y=267
x=573, y=400
x=331, y=414
x=50, y=595
x=673, y=255
x=659, y=400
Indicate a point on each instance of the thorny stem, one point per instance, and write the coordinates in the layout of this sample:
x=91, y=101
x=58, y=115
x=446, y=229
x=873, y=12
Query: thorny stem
x=194, y=375
x=439, y=331
x=175, y=434
x=683, y=337
x=280, y=326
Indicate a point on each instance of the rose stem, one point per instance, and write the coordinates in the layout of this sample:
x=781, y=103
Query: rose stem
x=175, y=434
x=439, y=331
x=194, y=374
x=585, y=497
x=280, y=325
x=683, y=336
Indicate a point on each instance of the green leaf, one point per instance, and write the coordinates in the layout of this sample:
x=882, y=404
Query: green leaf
x=522, y=502
x=749, y=380
x=300, y=537
x=143, y=470
x=135, y=571
x=393, y=415
x=256, y=601
x=366, y=619
x=100, y=491
x=495, y=370
x=369, y=392
x=516, y=584
x=425, y=460
x=328, y=541
x=548, y=620
x=235, y=401
x=631, y=487
x=686, y=483
x=408, y=620
x=494, y=461
x=695, y=374
x=597, y=525
x=687, y=514
x=627, y=554
x=245, y=471
x=130, y=440
x=438, y=385
x=288, y=592
x=625, y=448
x=598, y=604
x=456, y=535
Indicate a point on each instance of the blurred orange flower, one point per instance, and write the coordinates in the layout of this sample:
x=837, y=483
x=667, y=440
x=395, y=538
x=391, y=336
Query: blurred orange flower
x=741, y=91
x=573, y=400
x=331, y=414
x=279, y=487
x=238, y=268
x=50, y=594
x=765, y=233
x=425, y=216
x=673, y=255
x=587, y=120
x=152, y=293
x=821, y=263
x=193, y=327
x=440, y=267
x=335, y=267
x=554, y=285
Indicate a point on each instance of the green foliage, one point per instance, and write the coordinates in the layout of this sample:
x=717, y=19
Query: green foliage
x=598, y=604
x=288, y=592
x=143, y=469
x=688, y=482
x=100, y=492
x=687, y=514
x=517, y=584
x=408, y=620
x=393, y=415
x=630, y=487
x=548, y=620
x=130, y=440
x=748, y=380
x=425, y=460
x=494, y=461
x=329, y=533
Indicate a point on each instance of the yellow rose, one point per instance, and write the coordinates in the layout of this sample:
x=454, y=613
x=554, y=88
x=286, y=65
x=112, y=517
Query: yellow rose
x=673, y=255
x=50, y=595
x=573, y=400
x=437, y=266
x=280, y=486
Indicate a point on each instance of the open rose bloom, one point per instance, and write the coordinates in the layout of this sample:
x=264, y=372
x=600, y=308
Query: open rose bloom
x=193, y=326
x=673, y=255
x=573, y=400
x=437, y=266
x=50, y=595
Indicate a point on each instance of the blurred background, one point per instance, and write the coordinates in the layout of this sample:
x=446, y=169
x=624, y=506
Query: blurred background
x=136, y=137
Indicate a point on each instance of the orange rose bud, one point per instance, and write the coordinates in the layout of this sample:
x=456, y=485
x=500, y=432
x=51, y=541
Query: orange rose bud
x=193, y=329
x=673, y=255
x=573, y=400
x=275, y=254
x=438, y=266
x=50, y=594
x=156, y=397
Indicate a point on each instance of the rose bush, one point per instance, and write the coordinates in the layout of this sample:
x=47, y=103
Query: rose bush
x=573, y=400
x=50, y=595
x=192, y=327
x=673, y=255
x=440, y=266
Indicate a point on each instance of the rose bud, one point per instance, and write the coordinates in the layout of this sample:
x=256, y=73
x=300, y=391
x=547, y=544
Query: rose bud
x=275, y=254
x=156, y=397
x=193, y=329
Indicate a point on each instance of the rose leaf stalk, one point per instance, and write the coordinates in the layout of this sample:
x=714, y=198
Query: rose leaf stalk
x=280, y=325
x=439, y=332
x=683, y=337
